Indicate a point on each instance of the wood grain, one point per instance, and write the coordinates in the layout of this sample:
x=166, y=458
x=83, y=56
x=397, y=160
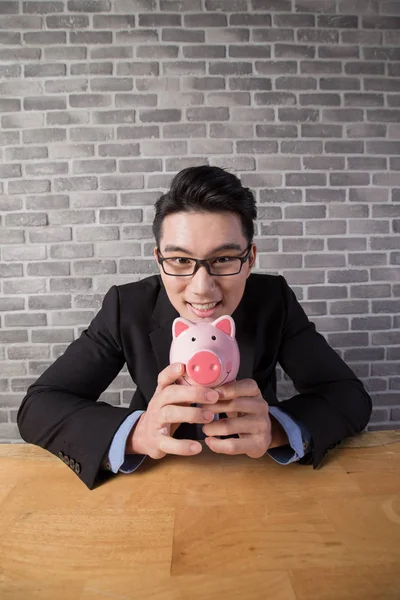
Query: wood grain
x=204, y=527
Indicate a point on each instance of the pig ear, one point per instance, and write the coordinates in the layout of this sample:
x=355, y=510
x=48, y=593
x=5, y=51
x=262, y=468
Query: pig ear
x=179, y=326
x=226, y=324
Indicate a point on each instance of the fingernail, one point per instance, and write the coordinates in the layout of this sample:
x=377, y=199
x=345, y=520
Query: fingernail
x=207, y=414
x=177, y=368
x=212, y=395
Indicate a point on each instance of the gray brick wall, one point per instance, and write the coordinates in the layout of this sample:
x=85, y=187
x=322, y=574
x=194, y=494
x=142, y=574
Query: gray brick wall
x=102, y=102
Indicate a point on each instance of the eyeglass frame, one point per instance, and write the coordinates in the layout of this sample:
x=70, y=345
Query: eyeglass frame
x=203, y=262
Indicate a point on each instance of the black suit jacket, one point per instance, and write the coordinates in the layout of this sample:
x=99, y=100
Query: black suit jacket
x=60, y=411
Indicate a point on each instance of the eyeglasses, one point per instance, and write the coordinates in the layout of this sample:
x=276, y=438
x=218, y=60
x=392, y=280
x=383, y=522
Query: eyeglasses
x=220, y=266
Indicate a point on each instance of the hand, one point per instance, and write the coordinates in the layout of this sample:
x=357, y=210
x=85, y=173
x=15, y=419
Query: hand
x=248, y=416
x=168, y=408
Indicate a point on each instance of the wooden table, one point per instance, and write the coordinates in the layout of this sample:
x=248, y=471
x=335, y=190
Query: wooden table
x=210, y=526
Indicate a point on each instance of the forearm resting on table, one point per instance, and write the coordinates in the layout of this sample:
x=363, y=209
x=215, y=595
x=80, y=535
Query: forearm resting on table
x=278, y=433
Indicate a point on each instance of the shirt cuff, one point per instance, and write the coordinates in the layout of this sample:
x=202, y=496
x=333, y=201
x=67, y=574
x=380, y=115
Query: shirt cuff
x=117, y=460
x=298, y=434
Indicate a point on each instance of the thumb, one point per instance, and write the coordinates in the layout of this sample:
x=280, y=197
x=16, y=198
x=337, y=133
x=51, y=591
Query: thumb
x=169, y=375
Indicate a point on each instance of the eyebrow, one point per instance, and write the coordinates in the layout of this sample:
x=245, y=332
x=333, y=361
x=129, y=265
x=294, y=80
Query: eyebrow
x=222, y=247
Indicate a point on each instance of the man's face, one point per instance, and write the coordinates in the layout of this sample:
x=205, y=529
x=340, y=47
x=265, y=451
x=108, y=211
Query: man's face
x=201, y=235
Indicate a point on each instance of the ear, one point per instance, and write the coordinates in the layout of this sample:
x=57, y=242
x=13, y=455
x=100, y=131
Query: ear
x=253, y=255
x=226, y=324
x=179, y=326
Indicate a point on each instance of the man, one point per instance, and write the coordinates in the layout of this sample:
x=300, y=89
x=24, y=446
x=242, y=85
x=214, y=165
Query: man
x=203, y=227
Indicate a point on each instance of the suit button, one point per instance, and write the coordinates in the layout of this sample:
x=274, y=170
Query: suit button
x=71, y=463
x=77, y=468
x=305, y=445
x=66, y=459
x=61, y=455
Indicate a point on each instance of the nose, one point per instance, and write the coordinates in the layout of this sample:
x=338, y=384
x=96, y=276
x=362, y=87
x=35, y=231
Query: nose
x=201, y=282
x=204, y=367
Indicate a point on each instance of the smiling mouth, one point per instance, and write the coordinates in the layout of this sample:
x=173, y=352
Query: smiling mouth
x=227, y=374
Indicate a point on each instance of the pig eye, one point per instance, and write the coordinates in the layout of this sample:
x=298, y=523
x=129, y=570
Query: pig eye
x=213, y=337
x=193, y=339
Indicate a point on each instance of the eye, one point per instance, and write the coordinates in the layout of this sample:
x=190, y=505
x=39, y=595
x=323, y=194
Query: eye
x=213, y=337
x=193, y=339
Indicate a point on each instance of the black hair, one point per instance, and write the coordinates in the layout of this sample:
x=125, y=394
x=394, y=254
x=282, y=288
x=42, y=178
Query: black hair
x=206, y=189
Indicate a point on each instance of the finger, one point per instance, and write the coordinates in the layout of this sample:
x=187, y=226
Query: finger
x=245, y=404
x=187, y=394
x=169, y=375
x=184, y=414
x=243, y=387
x=171, y=445
x=231, y=445
x=240, y=425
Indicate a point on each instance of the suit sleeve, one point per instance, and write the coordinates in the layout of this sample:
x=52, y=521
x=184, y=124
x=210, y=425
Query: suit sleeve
x=332, y=402
x=60, y=411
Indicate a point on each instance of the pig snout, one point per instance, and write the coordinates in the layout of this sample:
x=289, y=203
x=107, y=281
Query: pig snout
x=204, y=367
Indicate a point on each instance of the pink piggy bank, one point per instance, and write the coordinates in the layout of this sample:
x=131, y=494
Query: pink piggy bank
x=209, y=351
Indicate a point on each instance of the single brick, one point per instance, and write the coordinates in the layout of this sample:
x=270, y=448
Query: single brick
x=379, y=22
x=93, y=200
x=347, y=276
x=48, y=268
x=70, y=284
x=45, y=70
x=369, y=323
x=324, y=260
x=305, y=179
x=347, y=243
x=8, y=304
x=12, y=270
x=75, y=184
x=281, y=195
x=47, y=202
x=89, y=234
x=348, y=307
x=276, y=67
x=318, y=36
x=50, y=234
x=48, y=103
x=279, y=261
x=300, y=244
x=49, y=302
x=323, y=130
x=295, y=83
x=34, y=7
x=13, y=336
x=24, y=286
x=24, y=253
x=121, y=182
x=89, y=5
x=282, y=228
x=29, y=186
x=12, y=236
x=71, y=251
x=348, y=179
x=322, y=67
x=337, y=21
x=94, y=267
x=25, y=319
x=327, y=292
x=118, y=249
x=323, y=162
x=336, y=227
x=26, y=219
x=26, y=353
x=301, y=147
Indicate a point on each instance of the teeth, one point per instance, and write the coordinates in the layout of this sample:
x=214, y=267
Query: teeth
x=204, y=306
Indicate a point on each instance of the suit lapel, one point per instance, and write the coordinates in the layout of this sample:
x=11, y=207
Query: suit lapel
x=246, y=329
